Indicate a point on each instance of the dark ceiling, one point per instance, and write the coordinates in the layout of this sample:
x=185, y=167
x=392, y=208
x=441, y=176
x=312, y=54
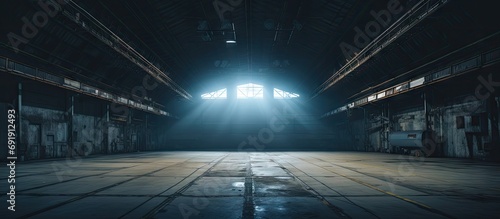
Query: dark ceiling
x=294, y=43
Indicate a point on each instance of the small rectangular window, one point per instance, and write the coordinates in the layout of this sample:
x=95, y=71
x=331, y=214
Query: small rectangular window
x=475, y=120
x=281, y=94
x=460, y=121
x=250, y=91
x=220, y=94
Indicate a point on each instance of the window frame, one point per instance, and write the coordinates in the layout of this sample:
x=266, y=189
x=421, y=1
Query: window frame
x=250, y=91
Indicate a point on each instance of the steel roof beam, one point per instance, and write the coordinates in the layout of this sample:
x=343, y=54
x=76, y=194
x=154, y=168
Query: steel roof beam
x=101, y=32
x=411, y=18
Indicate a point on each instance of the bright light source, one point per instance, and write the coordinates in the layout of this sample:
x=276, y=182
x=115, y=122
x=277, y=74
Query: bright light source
x=250, y=91
x=280, y=94
x=231, y=41
x=381, y=95
x=220, y=94
x=372, y=97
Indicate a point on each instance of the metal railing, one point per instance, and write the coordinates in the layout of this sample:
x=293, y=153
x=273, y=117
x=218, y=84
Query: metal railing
x=461, y=67
x=23, y=70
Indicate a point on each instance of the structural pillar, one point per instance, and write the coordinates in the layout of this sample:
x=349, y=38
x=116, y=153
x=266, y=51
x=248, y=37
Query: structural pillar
x=70, y=112
x=22, y=150
x=495, y=135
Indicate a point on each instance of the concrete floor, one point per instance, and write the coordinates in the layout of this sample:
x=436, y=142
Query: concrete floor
x=255, y=185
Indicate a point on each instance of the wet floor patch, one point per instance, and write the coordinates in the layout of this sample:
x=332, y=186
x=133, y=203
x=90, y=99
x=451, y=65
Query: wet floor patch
x=227, y=173
x=268, y=171
x=234, y=169
x=217, y=186
x=291, y=207
x=200, y=207
x=278, y=186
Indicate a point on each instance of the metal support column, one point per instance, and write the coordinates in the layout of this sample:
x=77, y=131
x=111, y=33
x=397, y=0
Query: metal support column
x=495, y=135
x=106, y=132
x=70, y=113
x=365, y=133
x=128, y=133
x=23, y=148
x=145, y=131
x=387, y=128
x=428, y=122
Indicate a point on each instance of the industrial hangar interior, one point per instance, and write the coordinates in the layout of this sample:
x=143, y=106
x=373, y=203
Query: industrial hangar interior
x=250, y=109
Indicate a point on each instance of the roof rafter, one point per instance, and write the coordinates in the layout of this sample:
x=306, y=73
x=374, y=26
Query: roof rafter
x=97, y=29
